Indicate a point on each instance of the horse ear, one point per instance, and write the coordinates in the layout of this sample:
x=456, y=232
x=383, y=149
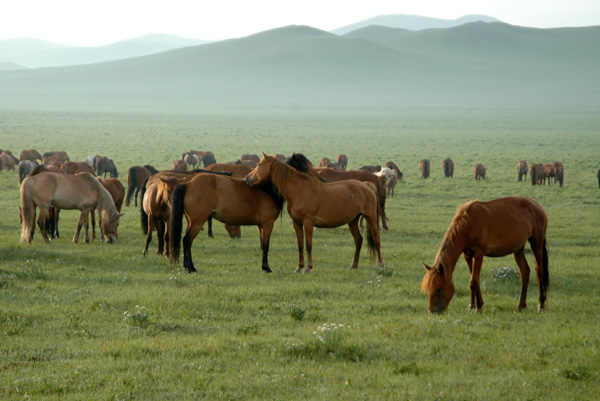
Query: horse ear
x=441, y=269
x=427, y=266
x=120, y=214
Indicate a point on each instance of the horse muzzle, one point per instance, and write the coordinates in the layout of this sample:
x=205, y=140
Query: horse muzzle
x=248, y=180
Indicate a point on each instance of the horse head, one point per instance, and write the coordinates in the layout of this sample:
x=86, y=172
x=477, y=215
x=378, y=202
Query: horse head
x=439, y=286
x=262, y=172
x=109, y=226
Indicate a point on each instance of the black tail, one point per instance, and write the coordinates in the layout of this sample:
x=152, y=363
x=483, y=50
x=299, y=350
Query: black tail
x=143, y=214
x=175, y=222
x=545, y=279
x=131, y=184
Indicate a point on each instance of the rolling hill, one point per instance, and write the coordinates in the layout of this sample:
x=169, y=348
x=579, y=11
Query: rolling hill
x=475, y=64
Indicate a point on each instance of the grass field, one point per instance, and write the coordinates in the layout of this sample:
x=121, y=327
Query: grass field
x=102, y=322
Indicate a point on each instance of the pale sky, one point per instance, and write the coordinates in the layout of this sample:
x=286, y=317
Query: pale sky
x=92, y=22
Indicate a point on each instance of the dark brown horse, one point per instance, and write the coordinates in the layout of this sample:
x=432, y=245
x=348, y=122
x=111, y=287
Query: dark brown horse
x=342, y=162
x=495, y=228
x=448, y=166
x=536, y=173
x=136, y=176
x=479, y=171
x=521, y=170
x=425, y=166
x=81, y=191
x=312, y=203
x=58, y=154
x=226, y=199
x=25, y=167
x=555, y=170
x=598, y=176
x=331, y=175
x=106, y=166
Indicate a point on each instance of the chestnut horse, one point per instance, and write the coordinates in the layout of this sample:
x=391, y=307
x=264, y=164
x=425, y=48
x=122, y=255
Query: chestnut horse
x=495, y=228
x=312, y=203
x=537, y=174
x=82, y=191
x=226, y=199
x=77, y=167
x=448, y=166
x=521, y=170
x=30, y=154
x=136, y=177
x=556, y=170
x=479, y=171
x=342, y=162
x=424, y=165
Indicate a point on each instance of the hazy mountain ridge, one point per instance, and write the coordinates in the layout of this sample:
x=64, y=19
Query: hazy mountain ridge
x=476, y=63
x=36, y=53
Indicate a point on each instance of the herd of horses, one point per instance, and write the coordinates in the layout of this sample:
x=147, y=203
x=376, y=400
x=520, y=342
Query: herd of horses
x=254, y=190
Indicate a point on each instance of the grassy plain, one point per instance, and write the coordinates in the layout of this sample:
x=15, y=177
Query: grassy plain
x=102, y=322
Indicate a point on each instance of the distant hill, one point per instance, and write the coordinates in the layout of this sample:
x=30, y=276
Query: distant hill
x=10, y=66
x=46, y=54
x=412, y=22
x=475, y=64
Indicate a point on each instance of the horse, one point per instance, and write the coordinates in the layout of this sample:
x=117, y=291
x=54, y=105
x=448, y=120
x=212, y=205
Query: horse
x=53, y=212
x=29, y=154
x=179, y=165
x=479, y=171
x=77, y=167
x=25, y=168
x=8, y=161
x=106, y=165
x=331, y=175
x=391, y=179
x=116, y=190
x=342, y=162
x=371, y=169
x=536, y=172
x=136, y=176
x=424, y=165
x=313, y=203
x=521, y=170
x=81, y=191
x=326, y=161
x=556, y=170
x=495, y=228
x=191, y=159
x=226, y=199
x=448, y=166
x=61, y=155
x=250, y=157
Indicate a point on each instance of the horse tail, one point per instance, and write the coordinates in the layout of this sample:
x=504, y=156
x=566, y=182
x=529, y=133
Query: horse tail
x=143, y=214
x=533, y=175
x=545, y=279
x=175, y=222
x=371, y=243
x=27, y=211
x=131, y=184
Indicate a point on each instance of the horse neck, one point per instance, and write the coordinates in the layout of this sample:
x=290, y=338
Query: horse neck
x=105, y=201
x=453, y=245
x=290, y=182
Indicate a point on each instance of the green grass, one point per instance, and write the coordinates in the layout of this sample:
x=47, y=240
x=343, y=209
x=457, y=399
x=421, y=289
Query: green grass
x=102, y=322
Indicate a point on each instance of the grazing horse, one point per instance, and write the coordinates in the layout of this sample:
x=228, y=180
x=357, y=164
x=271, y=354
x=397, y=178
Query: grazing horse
x=495, y=228
x=30, y=154
x=312, y=203
x=8, y=161
x=479, y=171
x=325, y=162
x=521, y=170
x=370, y=169
x=250, y=157
x=425, y=166
x=448, y=166
x=82, y=191
x=536, y=172
x=342, y=162
x=77, y=167
x=25, y=168
x=556, y=170
x=226, y=199
x=179, y=165
x=106, y=165
x=116, y=190
x=61, y=155
x=136, y=176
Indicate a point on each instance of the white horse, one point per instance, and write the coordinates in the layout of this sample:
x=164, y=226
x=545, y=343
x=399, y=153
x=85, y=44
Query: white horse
x=391, y=179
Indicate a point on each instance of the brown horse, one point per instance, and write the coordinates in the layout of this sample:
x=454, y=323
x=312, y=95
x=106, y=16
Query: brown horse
x=77, y=167
x=226, y=199
x=556, y=170
x=536, y=172
x=81, y=191
x=479, y=171
x=25, y=167
x=312, y=203
x=116, y=190
x=448, y=166
x=495, y=228
x=106, y=165
x=8, y=161
x=371, y=169
x=331, y=175
x=30, y=154
x=425, y=166
x=179, y=165
x=521, y=170
x=58, y=154
x=342, y=162
x=136, y=176
x=53, y=212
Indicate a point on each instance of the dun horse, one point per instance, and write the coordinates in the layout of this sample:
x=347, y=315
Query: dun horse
x=226, y=199
x=495, y=228
x=312, y=203
x=424, y=165
x=81, y=191
x=521, y=170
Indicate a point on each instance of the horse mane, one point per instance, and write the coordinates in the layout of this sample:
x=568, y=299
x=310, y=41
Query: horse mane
x=105, y=200
x=151, y=168
x=302, y=165
x=459, y=223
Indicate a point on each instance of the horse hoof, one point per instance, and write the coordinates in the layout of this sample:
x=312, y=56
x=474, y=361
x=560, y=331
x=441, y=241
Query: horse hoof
x=190, y=269
x=266, y=269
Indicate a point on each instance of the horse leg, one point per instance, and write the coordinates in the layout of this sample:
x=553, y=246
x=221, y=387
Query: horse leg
x=188, y=239
x=93, y=214
x=149, y=236
x=82, y=218
x=524, y=271
x=300, y=238
x=358, y=240
x=308, y=232
x=86, y=222
x=164, y=227
x=210, y=233
x=42, y=222
x=265, y=236
x=540, y=254
x=469, y=261
x=474, y=282
x=135, y=196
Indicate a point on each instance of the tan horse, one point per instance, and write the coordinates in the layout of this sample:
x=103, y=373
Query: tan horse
x=495, y=228
x=312, y=203
x=226, y=199
x=479, y=171
x=82, y=191
x=521, y=170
